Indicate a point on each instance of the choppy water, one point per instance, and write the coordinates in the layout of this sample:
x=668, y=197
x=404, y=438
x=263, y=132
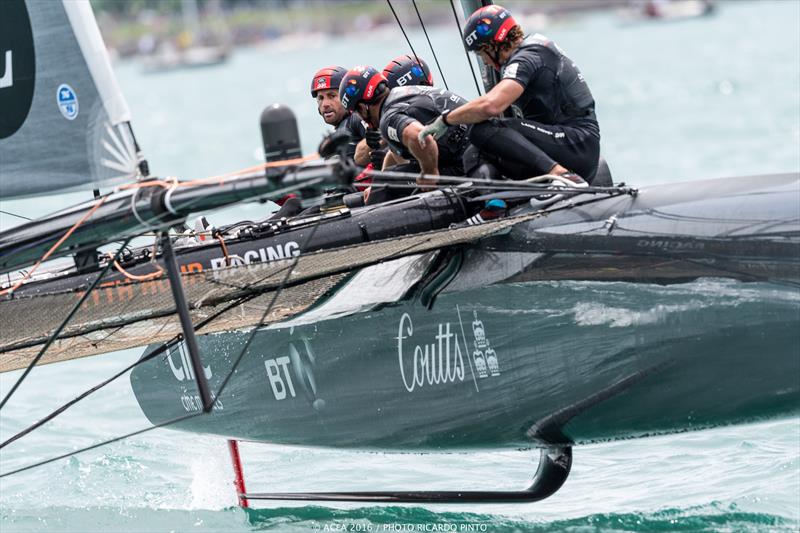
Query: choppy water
x=679, y=101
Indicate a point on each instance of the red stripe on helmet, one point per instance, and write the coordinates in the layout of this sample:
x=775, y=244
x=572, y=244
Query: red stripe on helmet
x=502, y=32
x=369, y=91
x=322, y=82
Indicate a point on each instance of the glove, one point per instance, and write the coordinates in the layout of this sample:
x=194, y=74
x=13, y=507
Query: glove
x=437, y=128
x=376, y=157
x=373, y=138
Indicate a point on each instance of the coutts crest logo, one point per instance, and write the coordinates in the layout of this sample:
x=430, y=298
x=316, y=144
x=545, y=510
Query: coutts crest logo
x=440, y=359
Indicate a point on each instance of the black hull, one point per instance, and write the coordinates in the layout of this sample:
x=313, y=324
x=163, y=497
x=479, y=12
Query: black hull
x=565, y=374
x=576, y=362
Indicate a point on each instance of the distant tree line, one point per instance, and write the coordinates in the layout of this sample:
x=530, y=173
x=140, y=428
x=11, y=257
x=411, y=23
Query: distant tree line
x=132, y=7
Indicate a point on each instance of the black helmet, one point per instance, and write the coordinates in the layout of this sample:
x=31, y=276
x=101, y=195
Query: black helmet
x=360, y=84
x=407, y=70
x=490, y=24
x=327, y=78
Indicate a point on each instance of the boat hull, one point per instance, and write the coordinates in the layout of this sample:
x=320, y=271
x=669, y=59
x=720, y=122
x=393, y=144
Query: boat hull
x=570, y=362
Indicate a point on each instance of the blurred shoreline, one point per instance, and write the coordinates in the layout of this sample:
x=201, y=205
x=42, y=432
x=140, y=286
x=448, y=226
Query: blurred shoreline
x=134, y=29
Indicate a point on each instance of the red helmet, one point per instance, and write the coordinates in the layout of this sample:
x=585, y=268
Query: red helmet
x=407, y=70
x=360, y=84
x=327, y=78
x=490, y=24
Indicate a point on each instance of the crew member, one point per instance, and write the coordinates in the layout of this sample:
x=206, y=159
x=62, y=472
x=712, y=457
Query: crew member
x=555, y=132
x=399, y=114
x=407, y=70
x=325, y=89
x=402, y=71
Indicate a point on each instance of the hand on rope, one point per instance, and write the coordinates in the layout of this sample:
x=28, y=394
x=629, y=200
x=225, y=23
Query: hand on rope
x=437, y=128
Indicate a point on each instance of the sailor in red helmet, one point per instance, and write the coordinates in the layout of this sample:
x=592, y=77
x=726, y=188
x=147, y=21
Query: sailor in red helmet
x=325, y=89
x=407, y=69
x=402, y=71
x=399, y=114
x=555, y=130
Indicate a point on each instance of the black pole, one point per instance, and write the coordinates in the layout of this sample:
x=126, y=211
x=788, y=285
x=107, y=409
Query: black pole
x=186, y=322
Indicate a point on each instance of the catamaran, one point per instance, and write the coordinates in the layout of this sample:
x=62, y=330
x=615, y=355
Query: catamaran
x=584, y=315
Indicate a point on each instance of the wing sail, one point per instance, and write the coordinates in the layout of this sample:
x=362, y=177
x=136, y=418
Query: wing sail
x=68, y=124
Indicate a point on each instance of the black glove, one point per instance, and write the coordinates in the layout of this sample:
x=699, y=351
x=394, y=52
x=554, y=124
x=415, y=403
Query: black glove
x=376, y=157
x=373, y=138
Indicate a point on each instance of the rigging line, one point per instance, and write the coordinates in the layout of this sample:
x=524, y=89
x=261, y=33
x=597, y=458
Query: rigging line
x=61, y=326
x=103, y=443
x=466, y=52
x=496, y=188
x=436, y=59
x=14, y=215
x=254, y=198
x=526, y=185
x=60, y=241
x=90, y=391
x=266, y=313
x=145, y=277
x=147, y=357
x=402, y=29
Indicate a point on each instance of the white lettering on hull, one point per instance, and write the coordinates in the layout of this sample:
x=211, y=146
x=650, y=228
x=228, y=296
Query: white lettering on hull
x=261, y=255
x=184, y=371
x=279, y=384
x=432, y=364
x=442, y=361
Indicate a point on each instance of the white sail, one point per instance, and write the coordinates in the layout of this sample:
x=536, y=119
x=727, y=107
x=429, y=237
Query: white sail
x=64, y=123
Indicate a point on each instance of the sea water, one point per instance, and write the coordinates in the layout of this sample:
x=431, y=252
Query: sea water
x=718, y=96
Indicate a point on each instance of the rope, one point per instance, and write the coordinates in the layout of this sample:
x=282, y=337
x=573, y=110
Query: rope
x=436, y=59
x=466, y=53
x=221, y=178
x=161, y=349
x=53, y=248
x=402, y=30
x=170, y=183
x=146, y=277
x=149, y=356
x=224, y=249
x=61, y=327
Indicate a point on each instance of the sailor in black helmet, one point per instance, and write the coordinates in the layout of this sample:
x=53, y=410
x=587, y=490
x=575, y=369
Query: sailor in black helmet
x=400, y=115
x=325, y=90
x=555, y=132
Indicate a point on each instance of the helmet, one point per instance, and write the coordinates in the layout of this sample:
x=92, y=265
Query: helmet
x=407, y=70
x=490, y=24
x=327, y=78
x=360, y=84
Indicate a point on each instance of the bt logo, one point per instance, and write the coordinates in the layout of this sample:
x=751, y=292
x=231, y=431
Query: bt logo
x=485, y=27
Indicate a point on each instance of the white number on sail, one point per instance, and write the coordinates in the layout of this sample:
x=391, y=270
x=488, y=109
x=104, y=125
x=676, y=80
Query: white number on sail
x=7, y=80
